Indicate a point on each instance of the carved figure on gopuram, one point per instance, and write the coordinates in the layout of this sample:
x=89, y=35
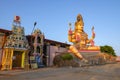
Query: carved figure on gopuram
x=79, y=38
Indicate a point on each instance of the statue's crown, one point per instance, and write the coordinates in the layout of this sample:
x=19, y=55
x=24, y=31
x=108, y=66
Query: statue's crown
x=79, y=17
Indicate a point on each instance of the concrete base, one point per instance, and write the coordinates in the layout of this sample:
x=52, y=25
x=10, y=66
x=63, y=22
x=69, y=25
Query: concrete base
x=89, y=53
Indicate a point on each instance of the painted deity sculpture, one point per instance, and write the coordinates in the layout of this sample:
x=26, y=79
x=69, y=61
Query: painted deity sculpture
x=80, y=39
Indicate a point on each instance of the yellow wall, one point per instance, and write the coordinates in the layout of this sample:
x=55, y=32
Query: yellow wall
x=23, y=58
x=7, y=59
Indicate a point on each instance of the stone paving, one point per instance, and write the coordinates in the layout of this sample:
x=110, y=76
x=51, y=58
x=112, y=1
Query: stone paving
x=101, y=72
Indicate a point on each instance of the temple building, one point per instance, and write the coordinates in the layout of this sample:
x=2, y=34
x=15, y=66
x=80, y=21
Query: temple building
x=36, y=43
x=53, y=48
x=20, y=51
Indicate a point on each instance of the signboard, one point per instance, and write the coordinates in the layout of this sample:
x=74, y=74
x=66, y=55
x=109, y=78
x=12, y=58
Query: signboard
x=33, y=62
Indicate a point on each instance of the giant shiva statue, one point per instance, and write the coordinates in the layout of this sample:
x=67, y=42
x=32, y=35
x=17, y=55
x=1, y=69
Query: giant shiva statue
x=80, y=39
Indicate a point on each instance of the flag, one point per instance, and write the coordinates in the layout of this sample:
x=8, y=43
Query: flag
x=17, y=19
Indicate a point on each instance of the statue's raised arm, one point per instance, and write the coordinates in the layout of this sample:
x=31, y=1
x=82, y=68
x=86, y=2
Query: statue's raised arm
x=91, y=40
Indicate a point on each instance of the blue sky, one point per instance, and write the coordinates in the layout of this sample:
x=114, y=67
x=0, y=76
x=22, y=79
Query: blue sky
x=53, y=16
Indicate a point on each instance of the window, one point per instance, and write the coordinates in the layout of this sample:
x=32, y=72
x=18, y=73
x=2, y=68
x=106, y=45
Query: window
x=20, y=46
x=22, y=38
x=38, y=49
x=15, y=45
x=19, y=38
x=38, y=40
x=33, y=39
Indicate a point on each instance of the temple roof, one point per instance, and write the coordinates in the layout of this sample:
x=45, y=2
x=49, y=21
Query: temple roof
x=55, y=42
x=7, y=32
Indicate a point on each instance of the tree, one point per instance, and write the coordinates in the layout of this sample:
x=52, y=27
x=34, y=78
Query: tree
x=107, y=49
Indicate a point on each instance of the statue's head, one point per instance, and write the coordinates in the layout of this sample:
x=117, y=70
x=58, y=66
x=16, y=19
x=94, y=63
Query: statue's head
x=79, y=24
x=79, y=18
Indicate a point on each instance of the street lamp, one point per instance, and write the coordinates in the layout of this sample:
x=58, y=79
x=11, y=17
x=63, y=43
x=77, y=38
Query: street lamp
x=34, y=26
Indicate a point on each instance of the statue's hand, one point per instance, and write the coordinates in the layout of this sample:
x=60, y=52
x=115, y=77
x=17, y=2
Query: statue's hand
x=93, y=34
x=70, y=32
x=77, y=37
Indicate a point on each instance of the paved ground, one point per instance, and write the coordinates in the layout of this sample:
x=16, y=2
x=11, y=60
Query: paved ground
x=102, y=72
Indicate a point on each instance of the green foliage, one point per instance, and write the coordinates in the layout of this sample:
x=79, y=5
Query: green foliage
x=67, y=56
x=64, y=59
x=108, y=49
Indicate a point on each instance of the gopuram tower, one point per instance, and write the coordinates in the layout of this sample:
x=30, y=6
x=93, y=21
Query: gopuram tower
x=17, y=39
x=15, y=53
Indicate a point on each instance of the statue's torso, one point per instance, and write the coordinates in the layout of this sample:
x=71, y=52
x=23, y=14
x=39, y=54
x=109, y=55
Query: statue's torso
x=83, y=40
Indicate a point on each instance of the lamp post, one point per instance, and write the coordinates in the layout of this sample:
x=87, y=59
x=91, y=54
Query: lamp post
x=35, y=23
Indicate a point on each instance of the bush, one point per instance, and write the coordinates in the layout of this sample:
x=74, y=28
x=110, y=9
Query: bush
x=108, y=49
x=67, y=56
x=64, y=59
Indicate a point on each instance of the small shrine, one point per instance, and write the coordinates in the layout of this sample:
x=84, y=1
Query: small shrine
x=81, y=44
x=36, y=42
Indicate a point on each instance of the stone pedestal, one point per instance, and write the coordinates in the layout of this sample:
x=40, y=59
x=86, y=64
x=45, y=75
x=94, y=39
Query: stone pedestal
x=89, y=53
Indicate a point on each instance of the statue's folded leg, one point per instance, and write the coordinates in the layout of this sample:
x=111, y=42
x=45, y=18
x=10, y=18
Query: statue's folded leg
x=75, y=52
